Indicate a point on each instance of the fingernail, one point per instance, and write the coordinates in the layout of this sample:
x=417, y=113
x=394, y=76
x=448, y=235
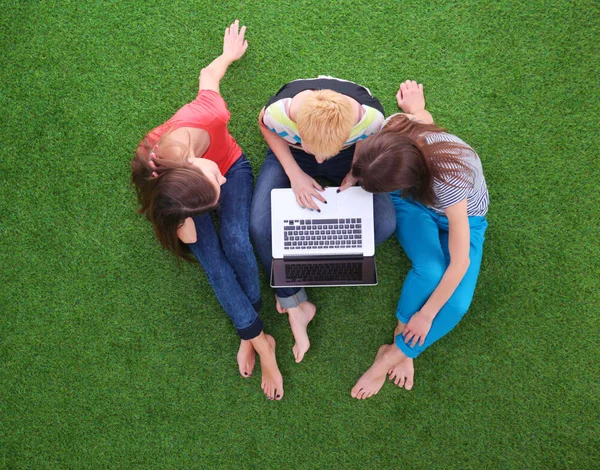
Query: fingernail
x=319, y=210
x=338, y=191
x=325, y=202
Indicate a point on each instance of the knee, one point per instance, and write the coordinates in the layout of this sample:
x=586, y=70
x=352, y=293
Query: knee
x=384, y=228
x=431, y=270
x=459, y=304
x=236, y=244
x=259, y=226
x=385, y=217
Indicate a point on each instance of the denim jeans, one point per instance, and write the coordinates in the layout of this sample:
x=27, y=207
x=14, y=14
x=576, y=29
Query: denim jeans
x=230, y=264
x=424, y=236
x=273, y=176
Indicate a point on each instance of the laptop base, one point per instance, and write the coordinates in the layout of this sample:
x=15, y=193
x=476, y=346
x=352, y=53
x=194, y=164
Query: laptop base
x=324, y=271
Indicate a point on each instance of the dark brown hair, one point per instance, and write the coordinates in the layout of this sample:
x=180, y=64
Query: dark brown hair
x=399, y=157
x=169, y=189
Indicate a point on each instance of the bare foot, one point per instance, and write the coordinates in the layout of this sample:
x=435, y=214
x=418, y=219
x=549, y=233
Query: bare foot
x=300, y=317
x=373, y=379
x=246, y=358
x=278, y=306
x=272, y=381
x=403, y=374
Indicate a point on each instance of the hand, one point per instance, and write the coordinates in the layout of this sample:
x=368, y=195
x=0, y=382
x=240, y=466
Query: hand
x=305, y=189
x=417, y=329
x=234, y=44
x=347, y=182
x=410, y=97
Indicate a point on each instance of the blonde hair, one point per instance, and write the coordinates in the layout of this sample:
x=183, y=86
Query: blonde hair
x=325, y=120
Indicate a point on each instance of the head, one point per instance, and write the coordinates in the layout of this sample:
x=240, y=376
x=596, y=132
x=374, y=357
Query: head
x=325, y=120
x=172, y=185
x=399, y=157
x=387, y=162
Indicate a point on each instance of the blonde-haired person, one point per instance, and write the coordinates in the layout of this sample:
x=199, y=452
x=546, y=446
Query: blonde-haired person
x=312, y=127
x=189, y=167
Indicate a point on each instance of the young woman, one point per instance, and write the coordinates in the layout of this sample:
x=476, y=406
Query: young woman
x=312, y=128
x=190, y=166
x=441, y=199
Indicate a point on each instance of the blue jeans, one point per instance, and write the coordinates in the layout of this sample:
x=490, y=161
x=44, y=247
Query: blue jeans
x=424, y=236
x=273, y=176
x=230, y=264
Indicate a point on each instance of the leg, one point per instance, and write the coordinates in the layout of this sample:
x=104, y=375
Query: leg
x=293, y=300
x=403, y=374
x=234, y=215
x=234, y=301
x=418, y=233
x=460, y=301
x=388, y=357
x=384, y=217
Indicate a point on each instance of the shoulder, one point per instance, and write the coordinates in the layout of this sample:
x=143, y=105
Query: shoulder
x=187, y=231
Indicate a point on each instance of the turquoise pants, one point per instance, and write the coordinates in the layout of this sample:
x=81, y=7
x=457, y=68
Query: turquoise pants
x=424, y=236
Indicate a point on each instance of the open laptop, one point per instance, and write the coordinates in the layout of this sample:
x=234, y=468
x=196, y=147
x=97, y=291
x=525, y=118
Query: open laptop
x=335, y=247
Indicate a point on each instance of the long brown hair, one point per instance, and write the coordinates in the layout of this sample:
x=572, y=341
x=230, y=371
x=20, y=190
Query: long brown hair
x=399, y=157
x=170, y=189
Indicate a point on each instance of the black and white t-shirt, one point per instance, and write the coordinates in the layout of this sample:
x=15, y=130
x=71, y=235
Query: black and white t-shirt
x=471, y=187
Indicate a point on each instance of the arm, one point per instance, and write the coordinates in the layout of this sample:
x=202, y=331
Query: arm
x=304, y=187
x=459, y=237
x=411, y=100
x=234, y=47
x=350, y=180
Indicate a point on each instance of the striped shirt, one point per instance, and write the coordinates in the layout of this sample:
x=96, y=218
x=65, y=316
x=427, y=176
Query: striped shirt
x=456, y=189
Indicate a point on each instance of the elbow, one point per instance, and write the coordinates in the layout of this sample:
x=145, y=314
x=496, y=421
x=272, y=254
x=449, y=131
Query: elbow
x=205, y=73
x=461, y=265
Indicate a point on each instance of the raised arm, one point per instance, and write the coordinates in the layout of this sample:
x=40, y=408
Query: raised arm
x=411, y=100
x=234, y=47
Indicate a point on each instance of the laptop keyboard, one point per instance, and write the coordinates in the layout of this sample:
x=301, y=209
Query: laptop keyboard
x=315, y=272
x=322, y=234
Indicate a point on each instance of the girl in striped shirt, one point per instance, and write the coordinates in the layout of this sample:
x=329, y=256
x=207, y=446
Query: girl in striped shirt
x=440, y=197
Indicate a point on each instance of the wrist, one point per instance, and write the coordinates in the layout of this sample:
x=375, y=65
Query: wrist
x=427, y=313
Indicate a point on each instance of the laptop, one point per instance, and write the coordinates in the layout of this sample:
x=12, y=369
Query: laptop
x=335, y=247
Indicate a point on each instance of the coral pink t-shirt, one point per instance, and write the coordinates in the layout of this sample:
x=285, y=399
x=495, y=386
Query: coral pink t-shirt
x=208, y=112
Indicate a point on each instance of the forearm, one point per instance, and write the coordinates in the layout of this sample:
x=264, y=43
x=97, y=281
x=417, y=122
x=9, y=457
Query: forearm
x=448, y=284
x=423, y=116
x=217, y=68
x=282, y=151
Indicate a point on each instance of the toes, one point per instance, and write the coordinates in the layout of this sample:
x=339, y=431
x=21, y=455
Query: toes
x=409, y=384
x=402, y=380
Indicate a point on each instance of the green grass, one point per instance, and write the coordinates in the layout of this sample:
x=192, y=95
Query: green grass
x=113, y=357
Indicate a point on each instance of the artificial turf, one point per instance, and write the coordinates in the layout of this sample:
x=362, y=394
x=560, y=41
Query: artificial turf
x=114, y=357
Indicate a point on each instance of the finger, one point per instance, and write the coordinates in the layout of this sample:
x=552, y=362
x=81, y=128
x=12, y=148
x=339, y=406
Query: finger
x=414, y=341
x=317, y=185
x=242, y=32
x=421, y=86
x=408, y=337
x=422, y=340
x=312, y=204
x=344, y=186
x=226, y=32
x=318, y=196
x=234, y=27
x=245, y=46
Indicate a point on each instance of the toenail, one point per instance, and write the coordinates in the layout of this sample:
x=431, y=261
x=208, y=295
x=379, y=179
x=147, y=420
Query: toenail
x=245, y=373
x=278, y=396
